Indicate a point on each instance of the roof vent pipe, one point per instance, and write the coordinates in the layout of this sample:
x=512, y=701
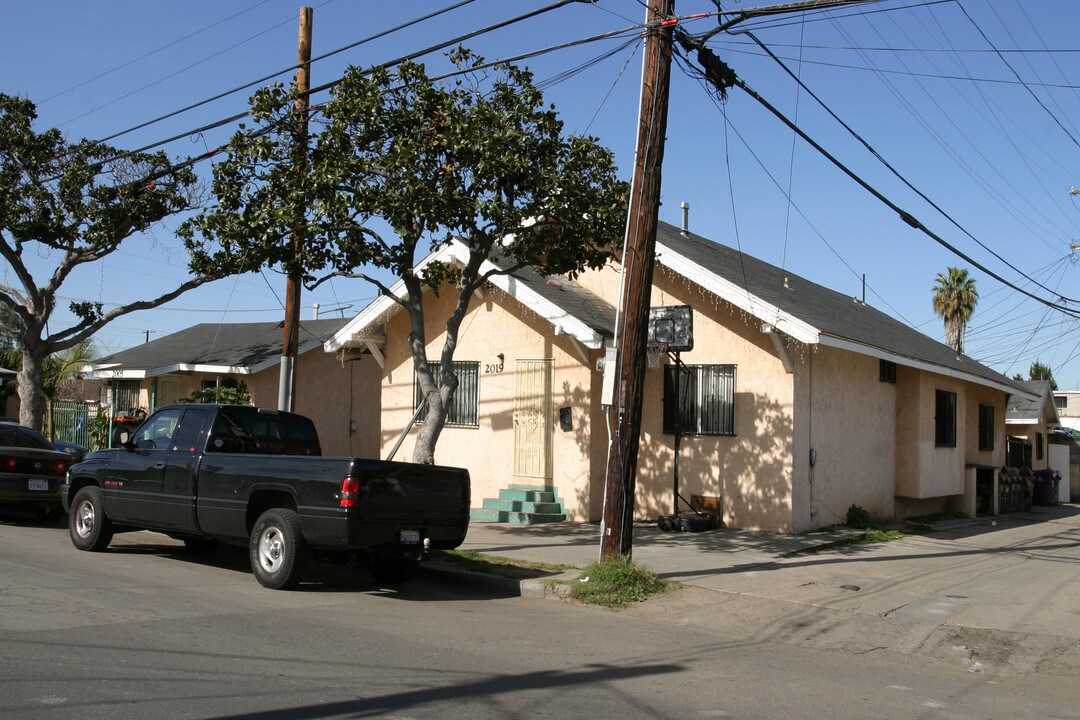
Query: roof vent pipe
x=685, y=218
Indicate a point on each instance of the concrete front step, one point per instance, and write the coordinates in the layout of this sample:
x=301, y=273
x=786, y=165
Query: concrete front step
x=544, y=508
x=521, y=494
x=514, y=518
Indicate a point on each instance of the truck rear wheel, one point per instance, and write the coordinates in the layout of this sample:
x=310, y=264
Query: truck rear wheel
x=88, y=525
x=277, y=549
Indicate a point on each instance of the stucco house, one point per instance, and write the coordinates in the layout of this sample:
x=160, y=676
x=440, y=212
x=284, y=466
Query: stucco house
x=803, y=401
x=337, y=393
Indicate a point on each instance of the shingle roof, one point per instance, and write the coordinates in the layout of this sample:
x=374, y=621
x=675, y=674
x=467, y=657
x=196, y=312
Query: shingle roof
x=581, y=314
x=1026, y=411
x=214, y=347
x=814, y=313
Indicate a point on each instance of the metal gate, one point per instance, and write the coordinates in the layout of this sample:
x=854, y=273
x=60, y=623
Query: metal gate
x=70, y=421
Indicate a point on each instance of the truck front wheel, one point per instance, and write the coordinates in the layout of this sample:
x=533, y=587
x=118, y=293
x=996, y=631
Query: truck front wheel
x=277, y=550
x=88, y=526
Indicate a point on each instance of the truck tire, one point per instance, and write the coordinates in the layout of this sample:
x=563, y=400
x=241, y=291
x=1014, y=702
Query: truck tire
x=89, y=527
x=393, y=569
x=277, y=549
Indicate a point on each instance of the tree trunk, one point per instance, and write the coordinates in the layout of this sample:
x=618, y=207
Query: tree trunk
x=31, y=383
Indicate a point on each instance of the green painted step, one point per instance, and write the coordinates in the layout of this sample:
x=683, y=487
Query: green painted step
x=515, y=518
x=522, y=495
x=523, y=506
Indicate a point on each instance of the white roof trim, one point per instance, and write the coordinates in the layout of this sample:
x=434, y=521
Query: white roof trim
x=383, y=307
x=737, y=295
x=103, y=372
x=800, y=330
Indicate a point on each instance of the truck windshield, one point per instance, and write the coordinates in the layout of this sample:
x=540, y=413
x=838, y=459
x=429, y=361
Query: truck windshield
x=251, y=430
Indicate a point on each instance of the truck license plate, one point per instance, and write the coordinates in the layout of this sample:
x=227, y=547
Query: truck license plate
x=37, y=484
x=410, y=537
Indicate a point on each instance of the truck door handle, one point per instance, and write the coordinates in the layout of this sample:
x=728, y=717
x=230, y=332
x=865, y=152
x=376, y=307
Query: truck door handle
x=159, y=465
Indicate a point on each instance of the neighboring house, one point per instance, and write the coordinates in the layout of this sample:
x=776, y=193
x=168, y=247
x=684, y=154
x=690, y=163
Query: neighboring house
x=338, y=393
x=802, y=401
x=1029, y=422
x=1067, y=404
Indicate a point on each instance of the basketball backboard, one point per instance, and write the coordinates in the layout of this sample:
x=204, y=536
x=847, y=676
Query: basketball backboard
x=674, y=325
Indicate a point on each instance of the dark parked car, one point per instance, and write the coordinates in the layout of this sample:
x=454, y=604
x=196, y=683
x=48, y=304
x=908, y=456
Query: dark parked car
x=31, y=471
x=75, y=450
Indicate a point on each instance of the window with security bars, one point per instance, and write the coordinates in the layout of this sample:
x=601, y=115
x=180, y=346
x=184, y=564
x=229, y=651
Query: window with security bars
x=125, y=396
x=706, y=394
x=986, y=427
x=944, y=418
x=465, y=403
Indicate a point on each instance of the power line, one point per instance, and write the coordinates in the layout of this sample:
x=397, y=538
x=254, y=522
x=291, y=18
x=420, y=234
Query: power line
x=897, y=173
x=723, y=77
x=271, y=76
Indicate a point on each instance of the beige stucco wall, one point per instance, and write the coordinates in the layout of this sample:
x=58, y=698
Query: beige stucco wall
x=498, y=324
x=923, y=469
x=847, y=417
x=751, y=472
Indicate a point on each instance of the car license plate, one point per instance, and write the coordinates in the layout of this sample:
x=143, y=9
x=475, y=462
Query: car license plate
x=33, y=484
x=410, y=537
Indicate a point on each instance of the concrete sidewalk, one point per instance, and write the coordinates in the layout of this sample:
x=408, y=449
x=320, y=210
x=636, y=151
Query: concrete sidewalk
x=990, y=593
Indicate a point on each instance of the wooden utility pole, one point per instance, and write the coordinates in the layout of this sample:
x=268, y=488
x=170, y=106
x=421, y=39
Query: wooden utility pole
x=637, y=269
x=291, y=342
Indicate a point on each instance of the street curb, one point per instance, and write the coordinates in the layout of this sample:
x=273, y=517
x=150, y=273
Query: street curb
x=526, y=587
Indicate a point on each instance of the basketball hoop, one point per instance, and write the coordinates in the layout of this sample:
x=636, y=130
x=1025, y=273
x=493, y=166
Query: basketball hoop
x=655, y=353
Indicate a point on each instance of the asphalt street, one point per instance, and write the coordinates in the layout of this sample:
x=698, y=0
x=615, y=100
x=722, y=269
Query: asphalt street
x=147, y=630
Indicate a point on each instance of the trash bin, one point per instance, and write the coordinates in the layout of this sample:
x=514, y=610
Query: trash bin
x=1045, y=492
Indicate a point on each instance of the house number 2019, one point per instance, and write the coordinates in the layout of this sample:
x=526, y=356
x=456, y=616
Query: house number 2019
x=493, y=367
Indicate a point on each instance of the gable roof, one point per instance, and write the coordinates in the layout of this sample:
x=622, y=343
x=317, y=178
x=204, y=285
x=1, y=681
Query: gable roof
x=784, y=302
x=1029, y=410
x=571, y=309
x=811, y=313
x=233, y=348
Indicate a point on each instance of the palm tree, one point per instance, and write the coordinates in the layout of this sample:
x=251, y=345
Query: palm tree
x=954, y=301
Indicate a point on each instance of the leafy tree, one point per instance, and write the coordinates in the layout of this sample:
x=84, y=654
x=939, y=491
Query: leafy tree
x=1039, y=371
x=954, y=301
x=77, y=202
x=480, y=159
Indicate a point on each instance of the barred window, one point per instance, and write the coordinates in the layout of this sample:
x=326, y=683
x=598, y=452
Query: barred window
x=945, y=418
x=986, y=427
x=706, y=396
x=465, y=403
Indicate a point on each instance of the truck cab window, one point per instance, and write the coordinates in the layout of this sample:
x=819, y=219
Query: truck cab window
x=157, y=432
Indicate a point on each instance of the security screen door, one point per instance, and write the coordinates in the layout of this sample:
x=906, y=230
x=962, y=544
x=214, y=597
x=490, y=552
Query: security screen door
x=533, y=418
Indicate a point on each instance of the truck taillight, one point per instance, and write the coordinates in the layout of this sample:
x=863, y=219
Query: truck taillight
x=9, y=464
x=61, y=467
x=350, y=491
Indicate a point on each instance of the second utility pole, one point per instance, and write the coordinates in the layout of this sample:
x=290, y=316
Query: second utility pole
x=291, y=342
x=637, y=269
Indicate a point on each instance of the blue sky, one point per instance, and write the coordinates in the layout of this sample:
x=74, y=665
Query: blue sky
x=974, y=102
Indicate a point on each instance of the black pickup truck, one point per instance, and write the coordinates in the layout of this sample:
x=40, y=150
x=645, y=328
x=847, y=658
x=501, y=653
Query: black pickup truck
x=244, y=475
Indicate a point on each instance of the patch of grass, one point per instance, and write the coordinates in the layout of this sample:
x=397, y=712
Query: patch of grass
x=479, y=562
x=614, y=582
x=876, y=536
